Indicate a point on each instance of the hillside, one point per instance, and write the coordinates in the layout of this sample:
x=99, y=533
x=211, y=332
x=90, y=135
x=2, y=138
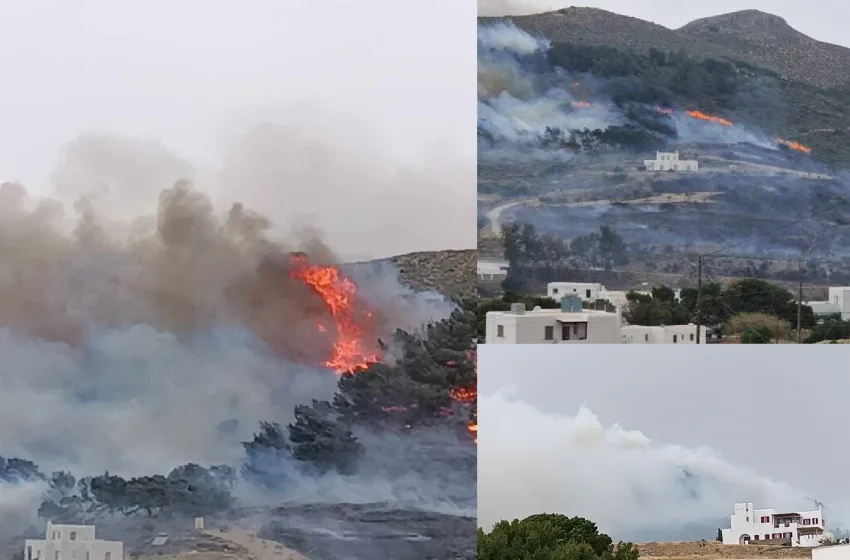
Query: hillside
x=796, y=87
x=760, y=39
x=451, y=273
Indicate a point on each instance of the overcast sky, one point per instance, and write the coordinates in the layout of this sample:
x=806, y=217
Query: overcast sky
x=379, y=97
x=824, y=20
x=714, y=411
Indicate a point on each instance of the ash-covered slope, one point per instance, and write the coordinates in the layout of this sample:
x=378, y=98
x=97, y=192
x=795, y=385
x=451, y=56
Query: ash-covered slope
x=750, y=36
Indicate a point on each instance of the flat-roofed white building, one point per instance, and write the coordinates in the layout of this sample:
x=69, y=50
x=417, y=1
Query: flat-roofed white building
x=754, y=526
x=667, y=334
x=492, y=270
x=837, y=302
x=669, y=161
x=72, y=542
x=573, y=325
x=551, y=326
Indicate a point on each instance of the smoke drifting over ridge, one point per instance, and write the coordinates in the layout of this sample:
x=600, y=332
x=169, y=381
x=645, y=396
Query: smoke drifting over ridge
x=521, y=95
x=630, y=486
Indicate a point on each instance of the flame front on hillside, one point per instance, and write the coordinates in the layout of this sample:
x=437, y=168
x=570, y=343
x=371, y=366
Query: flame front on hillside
x=350, y=351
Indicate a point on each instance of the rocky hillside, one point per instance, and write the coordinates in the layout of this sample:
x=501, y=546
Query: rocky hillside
x=451, y=273
x=760, y=39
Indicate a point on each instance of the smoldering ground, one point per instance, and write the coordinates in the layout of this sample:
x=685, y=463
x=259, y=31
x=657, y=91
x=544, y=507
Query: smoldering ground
x=634, y=488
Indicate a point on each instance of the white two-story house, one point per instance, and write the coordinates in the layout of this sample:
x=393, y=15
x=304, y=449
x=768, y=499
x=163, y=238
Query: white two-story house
x=749, y=525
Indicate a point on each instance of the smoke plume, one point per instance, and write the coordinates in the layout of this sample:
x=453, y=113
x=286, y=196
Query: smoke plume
x=145, y=324
x=618, y=478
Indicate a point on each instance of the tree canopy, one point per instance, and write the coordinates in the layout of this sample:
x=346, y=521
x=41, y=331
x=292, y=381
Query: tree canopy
x=550, y=537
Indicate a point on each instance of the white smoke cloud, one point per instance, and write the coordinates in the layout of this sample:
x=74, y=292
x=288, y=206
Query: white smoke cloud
x=531, y=462
x=507, y=36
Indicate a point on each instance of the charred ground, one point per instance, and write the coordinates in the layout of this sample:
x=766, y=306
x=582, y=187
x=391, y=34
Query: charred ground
x=621, y=79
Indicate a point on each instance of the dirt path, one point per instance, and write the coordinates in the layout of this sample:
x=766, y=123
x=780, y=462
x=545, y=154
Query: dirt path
x=258, y=549
x=495, y=214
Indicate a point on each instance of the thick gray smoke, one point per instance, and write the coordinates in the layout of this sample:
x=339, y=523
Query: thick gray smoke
x=144, y=326
x=517, y=103
x=532, y=462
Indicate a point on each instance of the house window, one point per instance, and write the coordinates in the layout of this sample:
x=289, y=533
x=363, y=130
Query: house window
x=767, y=537
x=88, y=555
x=500, y=331
x=675, y=340
x=806, y=521
x=692, y=336
x=107, y=556
x=29, y=553
x=73, y=536
x=549, y=333
x=646, y=337
x=575, y=329
x=554, y=290
x=755, y=537
x=587, y=293
x=814, y=521
x=56, y=555
x=565, y=332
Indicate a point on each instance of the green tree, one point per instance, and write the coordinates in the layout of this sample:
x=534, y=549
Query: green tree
x=550, y=537
x=756, y=335
x=319, y=437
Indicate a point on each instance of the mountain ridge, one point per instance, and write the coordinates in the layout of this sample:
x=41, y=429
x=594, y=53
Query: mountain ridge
x=751, y=36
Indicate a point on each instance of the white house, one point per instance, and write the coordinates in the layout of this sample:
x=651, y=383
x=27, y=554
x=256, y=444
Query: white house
x=668, y=334
x=591, y=292
x=584, y=291
x=669, y=161
x=573, y=326
x=551, y=326
x=749, y=525
x=72, y=542
x=838, y=302
x=492, y=270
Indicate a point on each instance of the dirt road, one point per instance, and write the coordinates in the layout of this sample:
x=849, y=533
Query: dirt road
x=258, y=549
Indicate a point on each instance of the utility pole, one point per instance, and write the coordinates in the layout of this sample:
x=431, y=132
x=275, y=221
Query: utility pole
x=699, y=297
x=800, y=301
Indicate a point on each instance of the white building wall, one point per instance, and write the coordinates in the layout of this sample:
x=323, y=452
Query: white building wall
x=670, y=334
x=669, y=161
x=491, y=270
x=530, y=327
x=840, y=296
x=834, y=552
x=72, y=542
x=585, y=291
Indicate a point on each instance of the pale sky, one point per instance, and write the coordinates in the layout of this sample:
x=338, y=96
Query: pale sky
x=775, y=413
x=381, y=95
x=824, y=20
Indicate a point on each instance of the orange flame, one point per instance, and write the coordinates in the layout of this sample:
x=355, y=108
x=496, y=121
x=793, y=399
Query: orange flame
x=794, y=145
x=703, y=117
x=340, y=295
x=469, y=395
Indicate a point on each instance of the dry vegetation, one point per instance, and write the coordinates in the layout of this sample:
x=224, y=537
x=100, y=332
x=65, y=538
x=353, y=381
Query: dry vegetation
x=711, y=550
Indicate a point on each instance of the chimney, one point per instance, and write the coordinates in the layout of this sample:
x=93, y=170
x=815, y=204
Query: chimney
x=518, y=308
